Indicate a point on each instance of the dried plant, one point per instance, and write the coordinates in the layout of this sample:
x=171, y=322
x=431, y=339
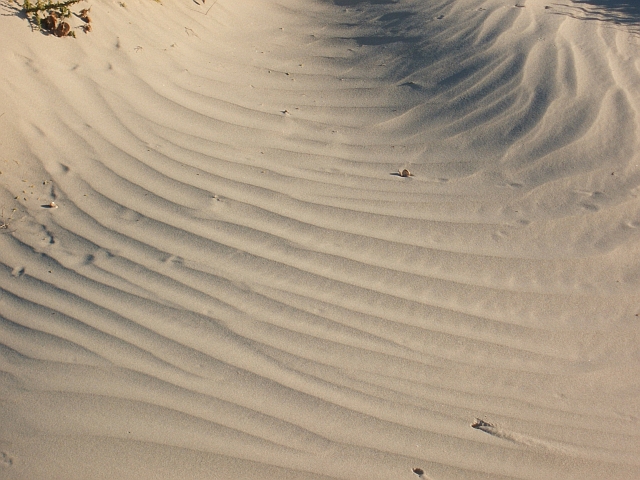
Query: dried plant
x=50, y=16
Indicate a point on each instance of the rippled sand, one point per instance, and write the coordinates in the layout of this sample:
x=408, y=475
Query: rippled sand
x=236, y=281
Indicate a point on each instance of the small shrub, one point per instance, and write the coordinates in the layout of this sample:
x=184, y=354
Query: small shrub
x=51, y=16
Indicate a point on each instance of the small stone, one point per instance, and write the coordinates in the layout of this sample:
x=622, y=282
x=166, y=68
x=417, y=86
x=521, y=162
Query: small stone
x=479, y=424
x=404, y=173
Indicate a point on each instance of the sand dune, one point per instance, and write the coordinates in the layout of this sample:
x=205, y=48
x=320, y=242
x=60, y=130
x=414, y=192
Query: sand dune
x=236, y=282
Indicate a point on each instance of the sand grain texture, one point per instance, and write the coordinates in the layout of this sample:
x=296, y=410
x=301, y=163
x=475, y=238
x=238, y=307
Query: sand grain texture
x=239, y=283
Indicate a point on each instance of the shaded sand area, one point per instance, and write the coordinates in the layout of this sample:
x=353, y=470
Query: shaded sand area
x=237, y=283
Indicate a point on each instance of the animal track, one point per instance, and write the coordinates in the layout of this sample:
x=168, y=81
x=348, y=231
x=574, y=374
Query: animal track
x=18, y=271
x=525, y=440
x=5, y=459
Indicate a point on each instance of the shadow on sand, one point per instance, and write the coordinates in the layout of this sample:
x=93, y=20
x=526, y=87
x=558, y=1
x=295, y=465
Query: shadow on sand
x=615, y=12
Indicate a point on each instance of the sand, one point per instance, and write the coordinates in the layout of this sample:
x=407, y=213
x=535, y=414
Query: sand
x=234, y=280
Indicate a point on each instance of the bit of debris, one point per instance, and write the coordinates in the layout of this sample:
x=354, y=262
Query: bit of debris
x=479, y=424
x=50, y=22
x=84, y=14
x=405, y=173
x=63, y=29
x=4, y=224
x=49, y=16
